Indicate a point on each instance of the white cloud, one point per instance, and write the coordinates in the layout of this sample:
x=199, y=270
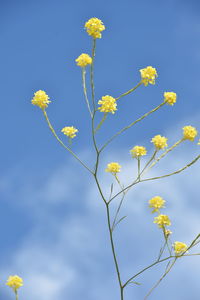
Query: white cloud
x=62, y=256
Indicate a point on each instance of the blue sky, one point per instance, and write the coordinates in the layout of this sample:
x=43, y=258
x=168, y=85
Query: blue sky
x=52, y=221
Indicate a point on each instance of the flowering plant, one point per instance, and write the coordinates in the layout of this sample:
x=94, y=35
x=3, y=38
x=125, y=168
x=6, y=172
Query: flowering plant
x=171, y=251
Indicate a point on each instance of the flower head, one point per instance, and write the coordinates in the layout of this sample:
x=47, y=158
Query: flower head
x=167, y=232
x=162, y=220
x=156, y=203
x=189, y=133
x=94, y=27
x=108, y=104
x=14, y=282
x=148, y=75
x=41, y=99
x=138, y=151
x=170, y=98
x=83, y=60
x=70, y=131
x=159, y=141
x=180, y=247
x=113, y=168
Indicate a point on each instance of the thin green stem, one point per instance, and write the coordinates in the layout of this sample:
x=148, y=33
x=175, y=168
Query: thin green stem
x=138, y=160
x=59, y=140
x=101, y=122
x=120, y=205
x=130, y=125
x=159, y=281
x=129, y=91
x=154, y=178
x=16, y=295
x=92, y=73
x=85, y=91
x=113, y=251
x=165, y=153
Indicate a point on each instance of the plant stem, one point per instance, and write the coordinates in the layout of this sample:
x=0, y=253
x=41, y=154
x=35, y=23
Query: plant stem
x=92, y=73
x=59, y=140
x=129, y=91
x=16, y=295
x=130, y=125
x=85, y=91
x=113, y=251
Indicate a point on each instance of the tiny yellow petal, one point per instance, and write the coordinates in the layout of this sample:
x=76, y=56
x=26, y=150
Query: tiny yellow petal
x=180, y=247
x=159, y=141
x=138, y=151
x=14, y=282
x=113, y=168
x=170, y=98
x=162, y=220
x=108, y=104
x=156, y=203
x=189, y=133
x=70, y=131
x=83, y=60
x=94, y=27
x=41, y=99
x=148, y=75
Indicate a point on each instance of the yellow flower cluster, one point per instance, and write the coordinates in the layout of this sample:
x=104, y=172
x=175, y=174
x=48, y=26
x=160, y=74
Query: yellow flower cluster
x=189, y=133
x=180, y=248
x=156, y=203
x=70, y=131
x=83, y=60
x=148, y=75
x=138, y=151
x=159, y=141
x=41, y=99
x=108, y=104
x=14, y=282
x=94, y=27
x=113, y=168
x=162, y=221
x=170, y=98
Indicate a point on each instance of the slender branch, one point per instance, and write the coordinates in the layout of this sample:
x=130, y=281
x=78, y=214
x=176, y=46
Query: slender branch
x=129, y=91
x=165, y=153
x=59, y=140
x=85, y=91
x=101, y=122
x=92, y=73
x=158, y=177
x=129, y=126
x=159, y=281
x=16, y=294
x=120, y=204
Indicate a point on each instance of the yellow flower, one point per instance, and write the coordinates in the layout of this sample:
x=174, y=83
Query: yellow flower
x=170, y=98
x=113, y=168
x=189, y=133
x=14, y=282
x=83, y=60
x=156, y=203
x=108, y=104
x=148, y=75
x=162, y=220
x=138, y=151
x=94, y=27
x=159, y=141
x=167, y=232
x=180, y=248
x=70, y=131
x=41, y=99
x=198, y=142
